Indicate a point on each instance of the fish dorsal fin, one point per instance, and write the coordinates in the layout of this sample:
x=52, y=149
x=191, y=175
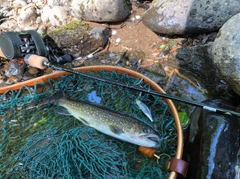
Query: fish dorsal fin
x=115, y=129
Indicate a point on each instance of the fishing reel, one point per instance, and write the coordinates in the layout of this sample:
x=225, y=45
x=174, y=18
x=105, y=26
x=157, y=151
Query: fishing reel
x=22, y=44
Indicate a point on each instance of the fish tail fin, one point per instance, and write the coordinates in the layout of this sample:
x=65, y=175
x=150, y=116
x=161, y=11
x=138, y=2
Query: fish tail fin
x=56, y=96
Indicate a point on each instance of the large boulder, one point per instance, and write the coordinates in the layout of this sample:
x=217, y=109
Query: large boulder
x=56, y=15
x=100, y=10
x=226, y=52
x=26, y=17
x=189, y=16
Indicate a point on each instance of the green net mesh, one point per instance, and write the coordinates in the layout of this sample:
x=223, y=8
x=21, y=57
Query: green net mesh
x=38, y=139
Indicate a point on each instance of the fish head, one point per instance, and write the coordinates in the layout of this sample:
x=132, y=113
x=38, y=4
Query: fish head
x=148, y=137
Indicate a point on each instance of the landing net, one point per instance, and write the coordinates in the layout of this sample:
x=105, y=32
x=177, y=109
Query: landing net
x=38, y=139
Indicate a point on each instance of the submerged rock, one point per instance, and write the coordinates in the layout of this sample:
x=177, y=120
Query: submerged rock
x=100, y=10
x=226, y=52
x=189, y=17
x=196, y=63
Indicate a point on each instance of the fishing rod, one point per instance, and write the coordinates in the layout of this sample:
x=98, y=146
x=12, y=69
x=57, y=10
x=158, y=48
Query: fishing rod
x=149, y=91
x=30, y=46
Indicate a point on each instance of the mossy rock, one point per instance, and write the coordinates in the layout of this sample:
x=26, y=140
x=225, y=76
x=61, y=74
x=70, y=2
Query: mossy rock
x=73, y=25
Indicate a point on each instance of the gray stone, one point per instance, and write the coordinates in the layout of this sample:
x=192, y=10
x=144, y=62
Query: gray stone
x=26, y=17
x=80, y=41
x=100, y=10
x=58, y=2
x=196, y=63
x=10, y=25
x=19, y=3
x=189, y=16
x=4, y=11
x=45, y=14
x=226, y=52
x=56, y=15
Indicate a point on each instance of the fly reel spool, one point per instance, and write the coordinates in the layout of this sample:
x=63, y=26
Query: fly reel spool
x=19, y=44
x=29, y=44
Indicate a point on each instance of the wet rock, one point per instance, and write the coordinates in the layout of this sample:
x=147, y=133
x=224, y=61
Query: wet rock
x=157, y=69
x=226, y=52
x=189, y=17
x=189, y=72
x=213, y=144
x=184, y=68
x=197, y=65
x=181, y=86
x=79, y=40
x=100, y=10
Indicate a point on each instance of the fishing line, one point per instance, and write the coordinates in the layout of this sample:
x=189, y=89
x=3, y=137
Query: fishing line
x=149, y=91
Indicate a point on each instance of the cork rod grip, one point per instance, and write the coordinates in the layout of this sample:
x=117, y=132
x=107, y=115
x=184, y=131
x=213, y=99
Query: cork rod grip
x=36, y=61
x=32, y=59
x=1, y=54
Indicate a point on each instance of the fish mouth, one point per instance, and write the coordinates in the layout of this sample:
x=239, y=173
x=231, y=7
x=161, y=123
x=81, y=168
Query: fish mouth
x=155, y=139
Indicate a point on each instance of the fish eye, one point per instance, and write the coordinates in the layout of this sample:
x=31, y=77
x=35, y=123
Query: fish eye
x=147, y=130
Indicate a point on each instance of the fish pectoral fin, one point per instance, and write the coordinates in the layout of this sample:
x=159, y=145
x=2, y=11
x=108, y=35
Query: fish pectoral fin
x=83, y=121
x=64, y=112
x=115, y=129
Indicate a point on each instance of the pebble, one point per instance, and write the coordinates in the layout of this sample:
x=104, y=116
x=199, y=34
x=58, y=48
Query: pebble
x=114, y=32
x=138, y=17
x=111, y=55
x=118, y=40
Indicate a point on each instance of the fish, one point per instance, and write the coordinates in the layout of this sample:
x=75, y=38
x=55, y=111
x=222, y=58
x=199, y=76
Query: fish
x=114, y=124
x=144, y=109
